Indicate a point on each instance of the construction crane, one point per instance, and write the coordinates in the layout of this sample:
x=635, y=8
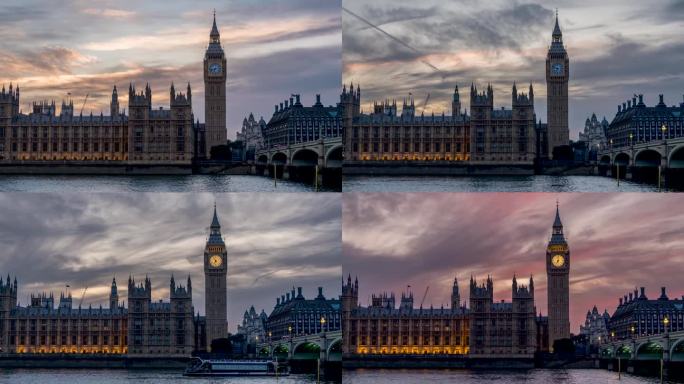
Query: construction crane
x=424, y=296
x=425, y=103
x=82, y=296
x=84, y=102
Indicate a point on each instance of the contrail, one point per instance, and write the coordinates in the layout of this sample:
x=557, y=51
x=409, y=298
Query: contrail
x=392, y=37
x=261, y=276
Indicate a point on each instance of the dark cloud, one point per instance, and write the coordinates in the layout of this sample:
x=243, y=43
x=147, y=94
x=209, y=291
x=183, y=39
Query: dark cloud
x=274, y=241
x=612, y=55
x=421, y=239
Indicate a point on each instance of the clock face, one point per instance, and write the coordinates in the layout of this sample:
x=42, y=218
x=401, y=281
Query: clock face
x=558, y=261
x=215, y=68
x=557, y=69
x=215, y=261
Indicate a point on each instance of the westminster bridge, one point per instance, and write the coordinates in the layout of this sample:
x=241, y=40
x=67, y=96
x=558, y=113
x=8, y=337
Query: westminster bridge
x=645, y=354
x=318, y=161
x=656, y=161
x=324, y=347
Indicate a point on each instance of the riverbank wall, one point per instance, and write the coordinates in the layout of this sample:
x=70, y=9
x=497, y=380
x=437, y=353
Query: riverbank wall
x=435, y=168
x=56, y=360
x=435, y=362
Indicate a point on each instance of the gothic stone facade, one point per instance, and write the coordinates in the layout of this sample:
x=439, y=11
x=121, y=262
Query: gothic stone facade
x=486, y=329
x=486, y=136
x=558, y=286
x=142, y=328
x=146, y=136
x=215, y=272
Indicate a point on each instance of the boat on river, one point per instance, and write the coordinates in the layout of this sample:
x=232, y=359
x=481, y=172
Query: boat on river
x=223, y=367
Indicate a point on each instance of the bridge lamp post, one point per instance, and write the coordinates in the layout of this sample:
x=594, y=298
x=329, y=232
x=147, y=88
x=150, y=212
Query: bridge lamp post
x=663, y=128
x=322, y=324
x=631, y=142
x=666, y=321
x=632, y=329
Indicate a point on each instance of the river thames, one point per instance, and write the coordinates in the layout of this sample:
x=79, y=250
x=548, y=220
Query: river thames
x=534, y=376
x=537, y=183
x=176, y=183
x=106, y=376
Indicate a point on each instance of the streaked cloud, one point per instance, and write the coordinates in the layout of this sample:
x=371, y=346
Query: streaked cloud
x=617, y=241
x=613, y=47
x=86, y=48
x=274, y=241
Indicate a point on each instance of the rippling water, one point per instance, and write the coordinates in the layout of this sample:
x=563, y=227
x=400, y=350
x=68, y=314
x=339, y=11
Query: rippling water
x=537, y=183
x=103, y=376
x=175, y=183
x=535, y=376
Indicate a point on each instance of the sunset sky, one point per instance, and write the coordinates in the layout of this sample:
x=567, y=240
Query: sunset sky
x=274, y=241
x=616, y=49
x=274, y=48
x=617, y=241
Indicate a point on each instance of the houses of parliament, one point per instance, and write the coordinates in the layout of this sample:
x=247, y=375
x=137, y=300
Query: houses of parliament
x=478, y=328
x=486, y=136
x=134, y=327
x=144, y=136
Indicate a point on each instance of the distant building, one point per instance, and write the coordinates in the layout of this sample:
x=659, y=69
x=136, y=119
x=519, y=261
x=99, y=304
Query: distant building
x=637, y=315
x=251, y=136
x=595, y=326
x=253, y=328
x=293, y=123
x=594, y=137
x=636, y=123
x=297, y=316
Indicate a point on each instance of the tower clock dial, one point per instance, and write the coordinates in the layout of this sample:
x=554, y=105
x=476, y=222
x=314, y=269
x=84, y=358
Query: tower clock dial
x=215, y=261
x=557, y=69
x=558, y=261
x=215, y=69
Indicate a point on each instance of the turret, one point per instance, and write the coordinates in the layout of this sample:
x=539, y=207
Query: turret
x=113, y=296
x=456, y=103
x=114, y=104
x=455, y=296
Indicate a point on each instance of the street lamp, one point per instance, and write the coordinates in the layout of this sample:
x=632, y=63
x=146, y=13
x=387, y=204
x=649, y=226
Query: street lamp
x=664, y=129
x=322, y=323
x=630, y=139
x=666, y=321
x=632, y=329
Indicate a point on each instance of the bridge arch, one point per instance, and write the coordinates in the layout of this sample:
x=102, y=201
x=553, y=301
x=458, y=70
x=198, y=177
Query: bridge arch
x=677, y=351
x=306, y=350
x=606, y=352
x=649, y=350
x=262, y=159
x=676, y=158
x=623, y=352
x=333, y=158
x=279, y=158
x=647, y=158
x=605, y=160
x=281, y=352
x=305, y=157
x=334, y=352
x=621, y=159
x=264, y=352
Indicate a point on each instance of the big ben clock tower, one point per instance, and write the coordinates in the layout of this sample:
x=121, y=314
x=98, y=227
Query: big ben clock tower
x=215, y=270
x=557, y=75
x=558, y=286
x=214, y=92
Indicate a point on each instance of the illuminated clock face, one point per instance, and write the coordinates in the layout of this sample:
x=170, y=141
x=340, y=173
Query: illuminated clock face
x=557, y=69
x=215, y=261
x=215, y=68
x=558, y=261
